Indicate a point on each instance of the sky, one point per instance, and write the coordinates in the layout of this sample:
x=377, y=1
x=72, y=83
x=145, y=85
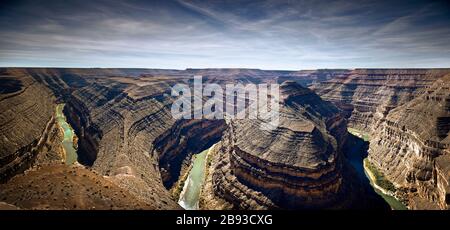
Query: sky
x=269, y=34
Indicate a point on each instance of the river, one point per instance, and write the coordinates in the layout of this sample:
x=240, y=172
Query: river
x=190, y=194
x=356, y=157
x=70, y=151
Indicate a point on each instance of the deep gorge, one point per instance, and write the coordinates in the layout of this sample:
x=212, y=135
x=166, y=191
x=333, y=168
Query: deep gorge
x=128, y=137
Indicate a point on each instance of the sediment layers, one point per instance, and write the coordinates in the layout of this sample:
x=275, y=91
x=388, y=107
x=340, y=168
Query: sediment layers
x=411, y=147
x=128, y=136
x=126, y=132
x=367, y=95
x=405, y=111
x=115, y=138
x=27, y=125
x=125, y=129
x=296, y=165
x=116, y=135
x=185, y=138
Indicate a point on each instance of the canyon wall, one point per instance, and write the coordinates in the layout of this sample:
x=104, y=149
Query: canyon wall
x=185, y=138
x=411, y=146
x=123, y=121
x=27, y=125
x=405, y=112
x=116, y=135
x=297, y=165
x=128, y=137
x=367, y=95
x=32, y=170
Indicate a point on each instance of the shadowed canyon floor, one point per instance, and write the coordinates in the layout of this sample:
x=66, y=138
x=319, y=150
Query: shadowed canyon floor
x=132, y=154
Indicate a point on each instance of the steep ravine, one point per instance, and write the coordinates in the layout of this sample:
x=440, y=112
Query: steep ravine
x=69, y=141
x=407, y=114
x=177, y=145
x=193, y=182
x=27, y=125
x=298, y=165
x=131, y=144
x=356, y=152
x=88, y=136
x=409, y=144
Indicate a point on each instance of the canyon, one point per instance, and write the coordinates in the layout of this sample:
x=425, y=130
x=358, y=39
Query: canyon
x=299, y=164
x=132, y=154
x=406, y=114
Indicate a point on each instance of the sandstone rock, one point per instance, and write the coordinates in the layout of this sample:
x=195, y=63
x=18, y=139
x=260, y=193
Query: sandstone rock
x=367, y=95
x=128, y=138
x=26, y=124
x=411, y=144
x=55, y=187
x=297, y=165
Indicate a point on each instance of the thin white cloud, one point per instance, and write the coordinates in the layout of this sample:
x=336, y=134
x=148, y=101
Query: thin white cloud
x=189, y=33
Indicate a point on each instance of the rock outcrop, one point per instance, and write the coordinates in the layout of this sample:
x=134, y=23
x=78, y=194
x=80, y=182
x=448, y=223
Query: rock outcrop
x=366, y=96
x=185, y=138
x=296, y=165
x=406, y=114
x=60, y=186
x=129, y=140
x=27, y=125
x=114, y=136
x=411, y=147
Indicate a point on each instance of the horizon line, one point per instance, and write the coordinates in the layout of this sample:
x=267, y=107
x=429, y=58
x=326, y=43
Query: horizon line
x=218, y=68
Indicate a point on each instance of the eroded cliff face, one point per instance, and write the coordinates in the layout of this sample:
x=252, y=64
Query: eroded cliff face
x=116, y=134
x=123, y=121
x=406, y=114
x=366, y=96
x=185, y=138
x=126, y=132
x=127, y=136
x=27, y=124
x=411, y=146
x=296, y=165
x=32, y=169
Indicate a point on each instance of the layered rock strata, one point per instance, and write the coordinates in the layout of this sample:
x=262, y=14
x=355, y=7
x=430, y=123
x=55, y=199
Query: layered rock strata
x=406, y=114
x=27, y=125
x=185, y=138
x=366, y=96
x=116, y=134
x=411, y=147
x=126, y=131
x=296, y=165
x=102, y=116
x=128, y=136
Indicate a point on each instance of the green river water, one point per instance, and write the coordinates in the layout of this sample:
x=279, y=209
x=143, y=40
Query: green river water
x=392, y=201
x=190, y=194
x=70, y=151
x=357, y=162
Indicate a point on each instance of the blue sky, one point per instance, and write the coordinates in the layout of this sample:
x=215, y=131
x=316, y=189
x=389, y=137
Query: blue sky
x=247, y=34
